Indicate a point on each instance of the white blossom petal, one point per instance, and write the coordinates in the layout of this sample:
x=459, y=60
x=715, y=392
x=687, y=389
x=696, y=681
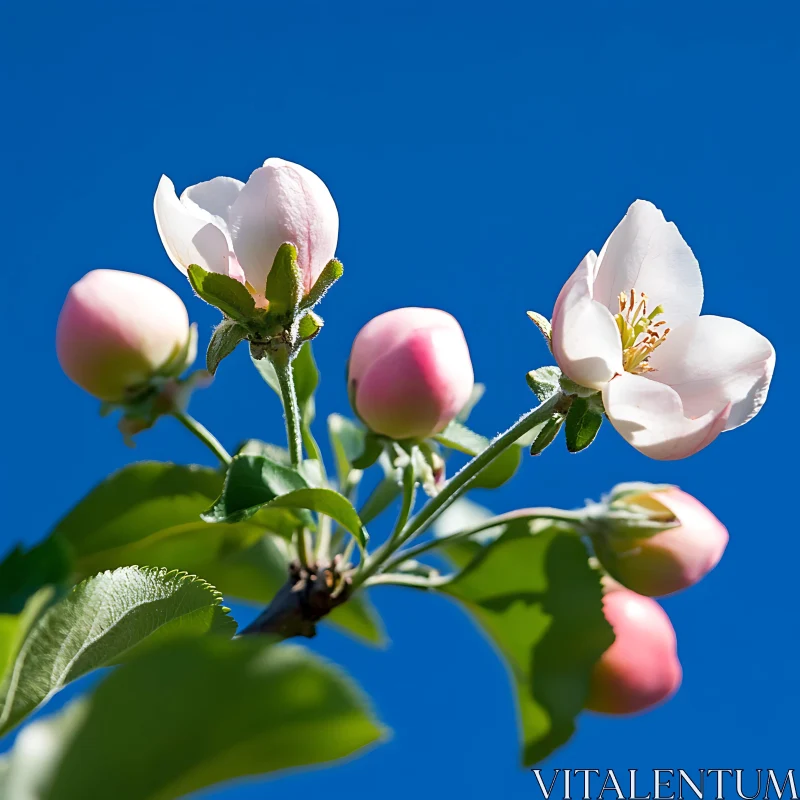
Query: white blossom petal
x=651, y=417
x=187, y=238
x=284, y=202
x=586, y=340
x=648, y=254
x=212, y=200
x=713, y=361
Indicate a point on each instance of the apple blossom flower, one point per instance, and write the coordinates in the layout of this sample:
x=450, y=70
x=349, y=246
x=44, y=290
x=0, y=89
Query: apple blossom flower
x=410, y=372
x=670, y=560
x=641, y=668
x=627, y=323
x=235, y=228
x=117, y=330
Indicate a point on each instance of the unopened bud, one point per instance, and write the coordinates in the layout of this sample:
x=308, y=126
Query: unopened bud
x=641, y=668
x=410, y=372
x=635, y=545
x=117, y=330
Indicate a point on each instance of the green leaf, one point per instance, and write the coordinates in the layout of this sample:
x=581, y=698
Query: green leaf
x=478, y=390
x=458, y=437
x=253, y=574
x=223, y=292
x=462, y=515
x=30, y=766
x=223, y=342
x=137, y=500
x=306, y=380
x=544, y=382
x=547, y=434
x=255, y=447
x=540, y=602
x=149, y=513
x=310, y=325
x=255, y=482
x=250, y=483
x=382, y=496
x=24, y=572
x=99, y=622
x=284, y=282
x=583, y=422
x=205, y=711
x=331, y=273
x=347, y=443
x=14, y=628
x=373, y=447
x=328, y=502
x=359, y=618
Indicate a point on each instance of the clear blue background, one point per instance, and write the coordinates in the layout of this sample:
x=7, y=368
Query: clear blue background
x=475, y=152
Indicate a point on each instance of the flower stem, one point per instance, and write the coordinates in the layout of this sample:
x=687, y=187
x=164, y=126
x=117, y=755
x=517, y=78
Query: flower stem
x=573, y=517
x=302, y=547
x=409, y=495
x=414, y=581
x=459, y=483
x=291, y=410
x=204, y=435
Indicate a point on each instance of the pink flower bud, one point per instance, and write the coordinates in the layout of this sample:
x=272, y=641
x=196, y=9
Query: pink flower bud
x=641, y=668
x=671, y=560
x=410, y=372
x=117, y=329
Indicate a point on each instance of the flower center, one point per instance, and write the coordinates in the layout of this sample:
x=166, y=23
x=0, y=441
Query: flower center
x=639, y=331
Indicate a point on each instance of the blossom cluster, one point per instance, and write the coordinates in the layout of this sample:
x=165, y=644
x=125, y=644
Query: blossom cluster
x=626, y=332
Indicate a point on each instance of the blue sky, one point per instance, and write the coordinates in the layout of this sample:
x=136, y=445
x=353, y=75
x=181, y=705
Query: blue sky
x=475, y=152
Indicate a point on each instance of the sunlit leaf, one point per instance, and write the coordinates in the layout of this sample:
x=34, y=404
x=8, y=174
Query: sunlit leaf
x=99, y=622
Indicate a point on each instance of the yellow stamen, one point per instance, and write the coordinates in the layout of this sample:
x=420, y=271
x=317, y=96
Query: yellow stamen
x=639, y=331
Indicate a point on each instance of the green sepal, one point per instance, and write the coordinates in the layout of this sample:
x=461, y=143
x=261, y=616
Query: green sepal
x=569, y=387
x=373, y=447
x=547, y=434
x=544, y=382
x=284, y=288
x=223, y=342
x=331, y=273
x=222, y=292
x=583, y=422
x=310, y=325
x=183, y=357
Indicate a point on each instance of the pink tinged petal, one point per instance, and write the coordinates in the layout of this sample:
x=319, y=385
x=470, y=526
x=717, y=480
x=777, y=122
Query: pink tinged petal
x=713, y=361
x=641, y=668
x=212, y=200
x=669, y=561
x=648, y=254
x=382, y=334
x=116, y=329
x=188, y=237
x=651, y=417
x=410, y=372
x=284, y=202
x=586, y=340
